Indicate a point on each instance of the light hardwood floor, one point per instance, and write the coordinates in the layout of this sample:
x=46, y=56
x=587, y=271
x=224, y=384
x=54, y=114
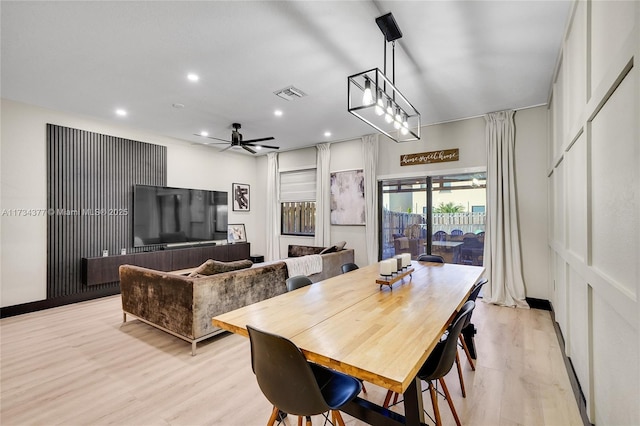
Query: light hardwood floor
x=78, y=365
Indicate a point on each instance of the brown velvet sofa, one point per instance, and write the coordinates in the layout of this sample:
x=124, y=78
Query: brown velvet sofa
x=183, y=306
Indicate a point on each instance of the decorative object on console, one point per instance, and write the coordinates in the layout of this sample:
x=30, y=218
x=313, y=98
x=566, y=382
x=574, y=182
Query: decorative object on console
x=241, y=196
x=236, y=233
x=374, y=98
x=347, y=197
x=212, y=267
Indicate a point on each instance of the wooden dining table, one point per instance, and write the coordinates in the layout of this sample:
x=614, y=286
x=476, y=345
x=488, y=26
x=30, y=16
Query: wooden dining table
x=380, y=334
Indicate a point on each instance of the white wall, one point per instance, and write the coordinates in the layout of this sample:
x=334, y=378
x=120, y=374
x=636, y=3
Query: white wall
x=594, y=184
x=23, y=186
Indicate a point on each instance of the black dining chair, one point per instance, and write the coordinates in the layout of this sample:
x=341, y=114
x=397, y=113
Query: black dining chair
x=441, y=360
x=469, y=329
x=440, y=236
x=348, y=267
x=439, y=363
x=430, y=258
x=294, y=385
x=297, y=281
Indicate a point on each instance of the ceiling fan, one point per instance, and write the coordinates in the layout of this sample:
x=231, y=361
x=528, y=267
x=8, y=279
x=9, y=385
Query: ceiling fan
x=236, y=140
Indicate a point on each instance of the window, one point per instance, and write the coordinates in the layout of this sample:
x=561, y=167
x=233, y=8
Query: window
x=298, y=202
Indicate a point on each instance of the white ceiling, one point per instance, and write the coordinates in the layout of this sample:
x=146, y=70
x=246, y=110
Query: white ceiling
x=457, y=59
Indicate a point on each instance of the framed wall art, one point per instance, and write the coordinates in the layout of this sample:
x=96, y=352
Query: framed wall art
x=241, y=195
x=347, y=198
x=236, y=233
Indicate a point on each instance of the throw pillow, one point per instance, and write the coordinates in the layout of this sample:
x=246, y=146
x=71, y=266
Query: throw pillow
x=340, y=246
x=331, y=249
x=211, y=267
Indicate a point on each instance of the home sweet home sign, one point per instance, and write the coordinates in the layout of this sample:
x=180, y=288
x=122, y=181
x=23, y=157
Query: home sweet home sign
x=430, y=157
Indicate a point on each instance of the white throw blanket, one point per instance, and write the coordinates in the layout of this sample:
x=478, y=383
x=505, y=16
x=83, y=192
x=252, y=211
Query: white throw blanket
x=304, y=265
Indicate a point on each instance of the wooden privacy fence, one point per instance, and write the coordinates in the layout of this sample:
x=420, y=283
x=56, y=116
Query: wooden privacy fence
x=298, y=218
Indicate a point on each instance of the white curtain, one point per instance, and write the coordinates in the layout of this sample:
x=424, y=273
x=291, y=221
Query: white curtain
x=370, y=155
x=323, y=184
x=273, y=207
x=502, y=241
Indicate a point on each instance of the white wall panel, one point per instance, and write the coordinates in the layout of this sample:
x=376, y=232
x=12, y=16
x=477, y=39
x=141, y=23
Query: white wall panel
x=611, y=23
x=560, y=304
x=558, y=114
x=579, y=329
x=615, y=155
x=559, y=205
x=576, y=158
x=575, y=59
x=597, y=196
x=616, y=364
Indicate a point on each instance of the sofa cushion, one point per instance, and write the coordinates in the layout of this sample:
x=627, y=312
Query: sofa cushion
x=211, y=267
x=331, y=249
x=340, y=245
x=297, y=250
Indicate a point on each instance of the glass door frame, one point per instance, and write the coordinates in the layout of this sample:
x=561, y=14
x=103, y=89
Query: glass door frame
x=429, y=200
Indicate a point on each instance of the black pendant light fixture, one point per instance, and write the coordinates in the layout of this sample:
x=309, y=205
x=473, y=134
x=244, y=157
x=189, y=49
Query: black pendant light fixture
x=374, y=98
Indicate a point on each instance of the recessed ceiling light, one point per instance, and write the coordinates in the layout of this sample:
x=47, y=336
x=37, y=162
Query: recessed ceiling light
x=327, y=134
x=204, y=133
x=121, y=112
x=277, y=113
x=193, y=77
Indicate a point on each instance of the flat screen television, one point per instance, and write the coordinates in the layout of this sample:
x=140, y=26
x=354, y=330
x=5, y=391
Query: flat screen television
x=165, y=215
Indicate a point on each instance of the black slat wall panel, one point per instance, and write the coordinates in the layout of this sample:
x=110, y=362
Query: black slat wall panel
x=89, y=200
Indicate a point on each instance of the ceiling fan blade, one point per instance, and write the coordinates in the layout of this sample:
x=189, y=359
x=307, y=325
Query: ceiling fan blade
x=216, y=143
x=218, y=139
x=270, y=138
x=223, y=150
x=246, y=148
x=265, y=146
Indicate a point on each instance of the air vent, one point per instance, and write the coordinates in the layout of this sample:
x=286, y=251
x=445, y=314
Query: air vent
x=290, y=93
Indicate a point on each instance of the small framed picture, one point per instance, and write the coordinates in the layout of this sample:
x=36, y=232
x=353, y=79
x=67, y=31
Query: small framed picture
x=236, y=233
x=240, y=197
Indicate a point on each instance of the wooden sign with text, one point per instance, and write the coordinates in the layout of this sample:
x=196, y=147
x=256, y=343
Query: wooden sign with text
x=430, y=157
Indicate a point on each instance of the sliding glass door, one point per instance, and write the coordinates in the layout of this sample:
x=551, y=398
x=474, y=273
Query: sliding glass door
x=443, y=215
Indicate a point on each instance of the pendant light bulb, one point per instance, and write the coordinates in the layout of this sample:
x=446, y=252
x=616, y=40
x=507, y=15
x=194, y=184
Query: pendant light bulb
x=405, y=125
x=379, y=109
x=397, y=119
x=367, y=96
x=389, y=115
